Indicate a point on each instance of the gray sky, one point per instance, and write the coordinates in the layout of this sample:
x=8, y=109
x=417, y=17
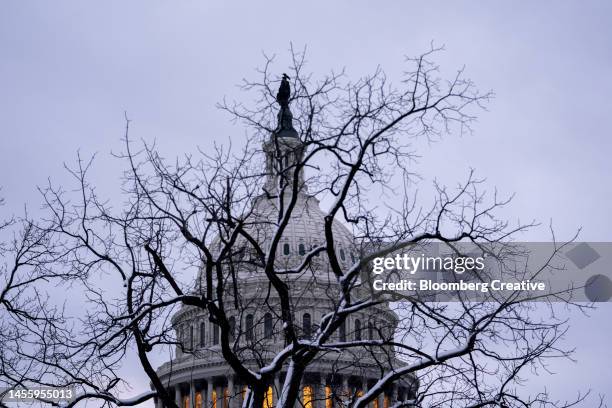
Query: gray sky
x=68, y=70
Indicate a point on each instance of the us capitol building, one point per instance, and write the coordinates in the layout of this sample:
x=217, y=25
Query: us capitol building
x=199, y=375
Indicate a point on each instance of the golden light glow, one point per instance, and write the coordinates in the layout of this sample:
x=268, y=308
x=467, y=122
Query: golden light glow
x=329, y=403
x=359, y=394
x=376, y=402
x=186, y=402
x=213, y=398
x=198, y=399
x=386, y=402
x=307, y=396
x=269, y=398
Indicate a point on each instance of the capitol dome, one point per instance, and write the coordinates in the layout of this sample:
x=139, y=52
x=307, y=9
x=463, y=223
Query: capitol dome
x=200, y=374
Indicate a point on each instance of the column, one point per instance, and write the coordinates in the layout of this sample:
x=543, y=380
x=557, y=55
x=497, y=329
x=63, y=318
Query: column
x=220, y=396
x=192, y=394
x=277, y=389
x=320, y=393
x=209, y=394
x=177, y=395
x=230, y=391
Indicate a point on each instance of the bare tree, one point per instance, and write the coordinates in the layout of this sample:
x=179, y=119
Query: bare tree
x=224, y=215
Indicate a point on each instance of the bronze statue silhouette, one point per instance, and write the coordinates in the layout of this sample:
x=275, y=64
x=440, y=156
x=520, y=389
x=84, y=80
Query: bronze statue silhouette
x=285, y=117
x=284, y=92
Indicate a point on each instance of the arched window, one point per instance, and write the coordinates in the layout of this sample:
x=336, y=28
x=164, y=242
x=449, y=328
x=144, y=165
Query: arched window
x=357, y=329
x=249, y=328
x=342, y=255
x=268, y=330
x=301, y=249
x=307, y=325
x=286, y=249
x=342, y=331
x=191, y=338
x=179, y=334
x=370, y=331
x=353, y=257
x=232, y=327
x=202, y=334
x=215, y=334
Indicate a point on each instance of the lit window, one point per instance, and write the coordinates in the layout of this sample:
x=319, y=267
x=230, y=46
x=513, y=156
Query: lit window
x=198, y=399
x=226, y=397
x=186, y=403
x=329, y=402
x=269, y=398
x=307, y=396
x=213, y=398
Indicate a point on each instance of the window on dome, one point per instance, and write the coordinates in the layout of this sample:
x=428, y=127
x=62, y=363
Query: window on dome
x=191, y=338
x=301, y=249
x=357, y=329
x=307, y=325
x=342, y=331
x=232, y=327
x=215, y=334
x=370, y=331
x=342, y=255
x=202, y=334
x=249, y=328
x=268, y=330
x=353, y=257
x=286, y=249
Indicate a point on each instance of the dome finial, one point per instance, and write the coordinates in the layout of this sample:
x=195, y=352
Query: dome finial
x=285, y=117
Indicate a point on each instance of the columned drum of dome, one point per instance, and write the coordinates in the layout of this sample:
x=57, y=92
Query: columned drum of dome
x=201, y=377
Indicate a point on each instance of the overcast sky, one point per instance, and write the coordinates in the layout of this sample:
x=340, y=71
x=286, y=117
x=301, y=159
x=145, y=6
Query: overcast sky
x=68, y=71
